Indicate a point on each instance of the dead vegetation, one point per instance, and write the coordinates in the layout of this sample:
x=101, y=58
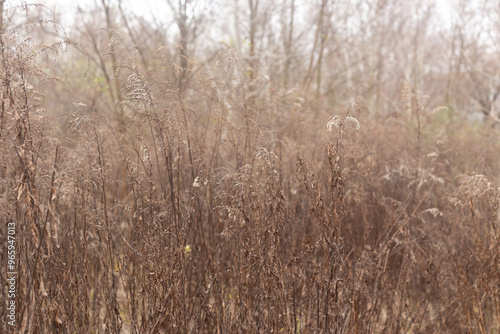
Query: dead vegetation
x=230, y=205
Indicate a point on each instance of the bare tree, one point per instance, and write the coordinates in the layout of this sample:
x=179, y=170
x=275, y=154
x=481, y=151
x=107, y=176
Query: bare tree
x=316, y=57
x=188, y=24
x=288, y=44
x=2, y=2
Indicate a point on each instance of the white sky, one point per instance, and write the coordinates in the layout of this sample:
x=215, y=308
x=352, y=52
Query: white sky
x=160, y=9
x=149, y=8
x=67, y=8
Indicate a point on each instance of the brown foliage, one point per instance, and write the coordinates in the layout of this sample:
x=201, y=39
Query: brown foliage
x=228, y=207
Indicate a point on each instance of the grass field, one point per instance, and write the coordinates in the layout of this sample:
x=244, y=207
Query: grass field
x=225, y=203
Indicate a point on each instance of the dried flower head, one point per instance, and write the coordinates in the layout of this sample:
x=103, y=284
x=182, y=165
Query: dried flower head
x=347, y=122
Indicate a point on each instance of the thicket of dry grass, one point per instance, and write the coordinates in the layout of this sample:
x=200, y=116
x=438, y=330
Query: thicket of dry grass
x=237, y=207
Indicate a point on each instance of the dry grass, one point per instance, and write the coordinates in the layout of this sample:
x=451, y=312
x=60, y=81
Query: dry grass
x=233, y=208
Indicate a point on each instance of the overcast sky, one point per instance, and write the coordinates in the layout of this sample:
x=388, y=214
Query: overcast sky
x=161, y=11
x=67, y=8
x=149, y=8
